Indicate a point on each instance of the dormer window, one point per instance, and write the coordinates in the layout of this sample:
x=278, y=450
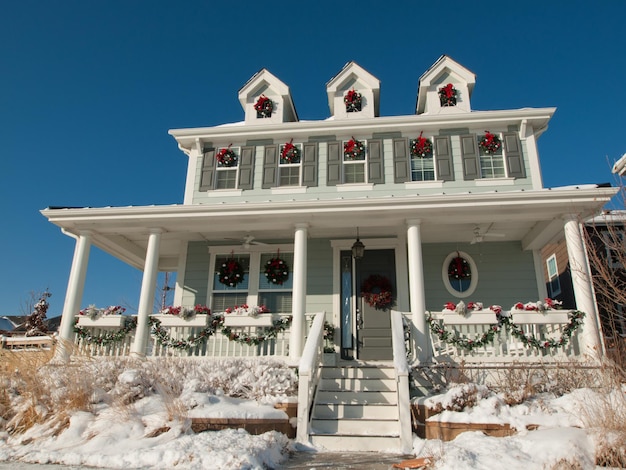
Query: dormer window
x=264, y=107
x=353, y=101
x=447, y=95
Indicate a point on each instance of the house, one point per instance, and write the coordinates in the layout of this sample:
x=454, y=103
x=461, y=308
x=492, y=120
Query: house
x=447, y=203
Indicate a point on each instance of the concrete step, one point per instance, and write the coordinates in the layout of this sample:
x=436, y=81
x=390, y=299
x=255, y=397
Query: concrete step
x=339, y=411
x=355, y=427
x=370, y=443
x=358, y=384
x=354, y=372
x=339, y=397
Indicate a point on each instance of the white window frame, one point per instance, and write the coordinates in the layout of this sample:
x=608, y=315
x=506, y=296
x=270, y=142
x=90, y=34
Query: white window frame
x=290, y=165
x=235, y=169
x=433, y=156
x=354, y=162
x=501, y=154
x=446, y=281
x=254, y=252
x=553, y=276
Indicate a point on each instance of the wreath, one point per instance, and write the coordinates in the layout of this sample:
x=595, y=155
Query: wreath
x=376, y=290
x=459, y=268
x=264, y=107
x=421, y=147
x=447, y=95
x=276, y=271
x=354, y=150
x=490, y=143
x=231, y=272
x=290, y=153
x=226, y=157
x=353, y=100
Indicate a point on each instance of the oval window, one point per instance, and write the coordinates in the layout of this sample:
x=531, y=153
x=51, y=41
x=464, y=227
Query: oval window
x=459, y=274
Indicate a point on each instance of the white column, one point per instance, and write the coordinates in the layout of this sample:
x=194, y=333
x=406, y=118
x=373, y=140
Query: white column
x=146, y=298
x=74, y=293
x=417, y=300
x=583, y=290
x=296, y=339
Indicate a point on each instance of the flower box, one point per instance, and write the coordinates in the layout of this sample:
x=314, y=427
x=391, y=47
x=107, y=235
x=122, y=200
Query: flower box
x=199, y=320
x=107, y=320
x=245, y=320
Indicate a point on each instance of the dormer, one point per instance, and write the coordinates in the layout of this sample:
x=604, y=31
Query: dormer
x=353, y=93
x=267, y=100
x=445, y=88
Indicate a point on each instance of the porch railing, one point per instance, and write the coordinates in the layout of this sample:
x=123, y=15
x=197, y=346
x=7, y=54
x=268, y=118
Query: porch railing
x=536, y=336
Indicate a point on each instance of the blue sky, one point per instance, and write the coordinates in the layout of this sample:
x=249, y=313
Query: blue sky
x=89, y=89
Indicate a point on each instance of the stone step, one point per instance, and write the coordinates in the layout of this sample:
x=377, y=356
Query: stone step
x=340, y=442
x=363, y=397
x=355, y=372
x=339, y=411
x=358, y=384
x=355, y=427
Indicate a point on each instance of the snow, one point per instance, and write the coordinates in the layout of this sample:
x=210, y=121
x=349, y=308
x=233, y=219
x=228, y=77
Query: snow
x=134, y=423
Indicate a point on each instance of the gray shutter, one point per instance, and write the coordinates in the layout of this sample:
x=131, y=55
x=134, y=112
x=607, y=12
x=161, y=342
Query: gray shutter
x=208, y=170
x=514, y=158
x=469, y=153
x=309, y=164
x=246, y=168
x=270, y=166
x=334, y=164
x=401, y=162
x=376, y=172
x=443, y=158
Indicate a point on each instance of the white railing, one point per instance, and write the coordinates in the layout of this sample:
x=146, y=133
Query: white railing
x=505, y=347
x=309, y=374
x=401, y=367
x=26, y=342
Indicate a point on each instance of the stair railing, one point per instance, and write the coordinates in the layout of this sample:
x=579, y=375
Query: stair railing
x=401, y=367
x=309, y=369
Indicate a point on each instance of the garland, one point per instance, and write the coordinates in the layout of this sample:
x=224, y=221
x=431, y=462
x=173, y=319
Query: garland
x=164, y=338
x=290, y=153
x=231, y=272
x=353, y=101
x=105, y=339
x=575, y=320
x=490, y=143
x=276, y=271
x=421, y=147
x=459, y=268
x=271, y=332
x=226, y=157
x=376, y=290
x=264, y=107
x=354, y=150
x=447, y=95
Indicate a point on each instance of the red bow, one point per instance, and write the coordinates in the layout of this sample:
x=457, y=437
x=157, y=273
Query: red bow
x=448, y=90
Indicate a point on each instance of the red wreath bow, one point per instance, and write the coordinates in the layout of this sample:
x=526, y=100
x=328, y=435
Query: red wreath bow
x=448, y=90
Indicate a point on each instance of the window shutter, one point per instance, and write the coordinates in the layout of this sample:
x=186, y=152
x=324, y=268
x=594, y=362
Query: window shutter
x=309, y=164
x=334, y=164
x=246, y=168
x=401, y=164
x=208, y=170
x=443, y=158
x=375, y=172
x=514, y=158
x=270, y=166
x=469, y=153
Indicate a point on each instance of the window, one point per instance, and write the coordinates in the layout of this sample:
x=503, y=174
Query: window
x=554, y=283
x=289, y=165
x=615, y=247
x=422, y=167
x=255, y=289
x=354, y=161
x=227, y=168
x=491, y=164
x=459, y=274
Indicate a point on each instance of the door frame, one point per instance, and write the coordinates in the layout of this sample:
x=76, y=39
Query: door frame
x=398, y=244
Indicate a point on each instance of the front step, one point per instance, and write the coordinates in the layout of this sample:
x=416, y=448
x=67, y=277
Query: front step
x=356, y=409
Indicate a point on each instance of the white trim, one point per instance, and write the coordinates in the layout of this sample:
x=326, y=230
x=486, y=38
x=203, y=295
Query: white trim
x=347, y=187
x=495, y=181
x=423, y=184
x=446, y=282
x=289, y=190
x=224, y=192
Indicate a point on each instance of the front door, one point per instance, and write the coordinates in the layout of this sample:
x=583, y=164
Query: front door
x=365, y=329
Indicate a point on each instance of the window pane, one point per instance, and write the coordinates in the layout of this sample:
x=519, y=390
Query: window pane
x=354, y=173
x=492, y=165
x=222, y=301
x=552, y=271
x=264, y=284
x=244, y=261
x=422, y=169
x=276, y=302
x=290, y=175
x=460, y=274
x=226, y=179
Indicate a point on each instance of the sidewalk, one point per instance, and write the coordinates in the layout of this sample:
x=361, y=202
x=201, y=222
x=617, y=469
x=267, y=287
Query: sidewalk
x=343, y=460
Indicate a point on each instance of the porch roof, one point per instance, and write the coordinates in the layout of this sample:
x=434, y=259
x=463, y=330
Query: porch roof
x=532, y=217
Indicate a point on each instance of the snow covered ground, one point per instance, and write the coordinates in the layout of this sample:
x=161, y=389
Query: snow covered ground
x=137, y=416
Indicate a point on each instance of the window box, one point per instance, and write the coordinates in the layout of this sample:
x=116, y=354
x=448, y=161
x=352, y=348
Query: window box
x=245, y=320
x=201, y=319
x=107, y=320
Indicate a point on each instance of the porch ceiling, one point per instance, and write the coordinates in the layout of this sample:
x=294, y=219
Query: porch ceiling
x=532, y=217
